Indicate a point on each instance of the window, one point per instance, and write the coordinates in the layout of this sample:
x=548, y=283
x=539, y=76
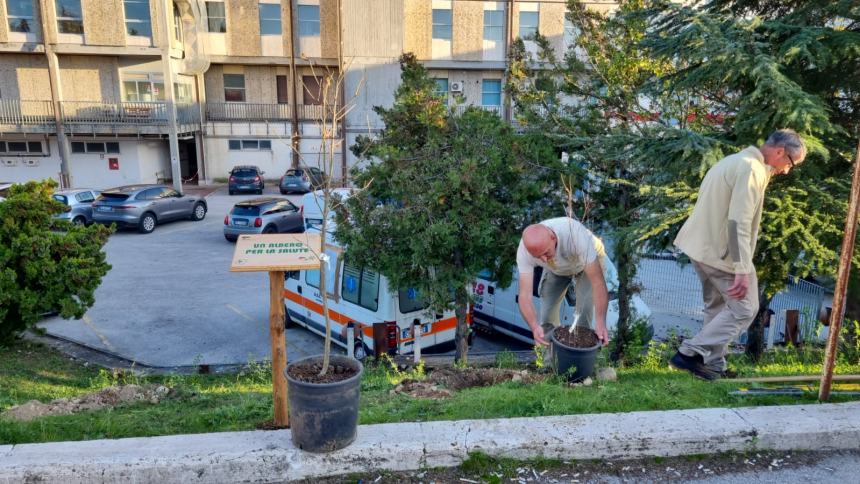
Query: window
x=20, y=15
x=137, y=19
x=69, y=17
x=442, y=89
x=143, y=90
x=150, y=194
x=249, y=144
x=529, y=24
x=491, y=92
x=312, y=91
x=177, y=24
x=494, y=25
x=442, y=23
x=281, y=88
x=32, y=147
x=234, y=88
x=217, y=17
x=360, y=286
x=309, y=20
x=410, y=300
x=84, y=197
x=270, y=19
x=94, y=147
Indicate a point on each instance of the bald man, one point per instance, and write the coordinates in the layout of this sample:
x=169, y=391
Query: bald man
x=567, y=252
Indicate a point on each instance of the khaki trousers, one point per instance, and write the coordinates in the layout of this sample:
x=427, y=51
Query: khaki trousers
x=553, y=288
x=725, y=317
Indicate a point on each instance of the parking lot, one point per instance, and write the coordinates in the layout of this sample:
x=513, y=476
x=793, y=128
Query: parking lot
x=170, y=300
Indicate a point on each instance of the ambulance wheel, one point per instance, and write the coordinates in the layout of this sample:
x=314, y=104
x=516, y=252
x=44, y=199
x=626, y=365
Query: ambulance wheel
x=471, y=338
x=360, y=351
x=288, y=321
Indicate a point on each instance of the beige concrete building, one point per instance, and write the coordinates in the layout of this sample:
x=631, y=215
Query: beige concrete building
x=84, y=97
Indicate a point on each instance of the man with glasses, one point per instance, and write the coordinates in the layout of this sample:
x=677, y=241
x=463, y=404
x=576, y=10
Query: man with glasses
x=720, y=237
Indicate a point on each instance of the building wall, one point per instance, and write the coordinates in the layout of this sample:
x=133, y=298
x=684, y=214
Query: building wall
x=243, y=27
x=153, y=160
x=552, y=25
x=24, y=77
x=418, y=27
x=89, y=78
x=468, y=30
x=328, y=28
x=220, y=160
x=46, y=166
x=4, y=26
x=103, y=22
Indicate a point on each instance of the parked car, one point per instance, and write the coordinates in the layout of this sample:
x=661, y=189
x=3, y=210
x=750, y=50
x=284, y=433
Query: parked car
x=265, y=215
x=4, y=190
x=302, y=179
x=80, y=203
x=246, y=178
x=145, y=206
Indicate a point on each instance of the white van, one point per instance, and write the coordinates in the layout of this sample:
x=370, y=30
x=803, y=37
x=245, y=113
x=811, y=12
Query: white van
x=497, y=308
x=312, y=206
x=363, y=297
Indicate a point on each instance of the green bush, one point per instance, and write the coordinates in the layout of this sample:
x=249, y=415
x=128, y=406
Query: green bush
x=46, y=265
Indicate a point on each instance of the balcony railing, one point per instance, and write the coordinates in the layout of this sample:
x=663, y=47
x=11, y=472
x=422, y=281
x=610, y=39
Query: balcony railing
x=261, y=112
x=461, y=108
x=14, y=111
x=126, y=113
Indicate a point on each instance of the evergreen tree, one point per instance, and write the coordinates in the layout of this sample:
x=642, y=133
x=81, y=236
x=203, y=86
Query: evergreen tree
x=444, y=196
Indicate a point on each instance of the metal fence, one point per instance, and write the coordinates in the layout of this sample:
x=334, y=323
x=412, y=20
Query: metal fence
x=247, y=111
x=14, y=111
x=672, y=289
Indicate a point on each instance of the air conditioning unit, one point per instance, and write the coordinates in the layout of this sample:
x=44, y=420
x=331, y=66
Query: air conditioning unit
x=31, y=162
x=10, y=162
x=457, y=86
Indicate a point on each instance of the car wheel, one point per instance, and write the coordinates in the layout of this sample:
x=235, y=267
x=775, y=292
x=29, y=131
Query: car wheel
x=283, y=192
x=79, y=220
x=231, y=192
x=147, y=223
x=270, y=229
x=230, y=239
x=199, y=212
x=260, y=191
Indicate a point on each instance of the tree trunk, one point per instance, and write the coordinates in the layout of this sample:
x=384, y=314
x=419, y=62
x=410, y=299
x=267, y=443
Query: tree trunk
x=755, y=333
x=626, y=265
x=461, y=337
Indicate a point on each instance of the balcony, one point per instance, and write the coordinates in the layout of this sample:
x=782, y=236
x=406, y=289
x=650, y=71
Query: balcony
x=254, y=112
x=26, y=116
x=461, y=108
x=87, y=117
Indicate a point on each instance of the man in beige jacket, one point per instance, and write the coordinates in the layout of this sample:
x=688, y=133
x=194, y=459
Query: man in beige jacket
x=720, y=238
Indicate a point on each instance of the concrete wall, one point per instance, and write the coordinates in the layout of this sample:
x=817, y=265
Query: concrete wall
x=24, y=77
x=46, y=166
x=4, y=26
x=243, y=27
x=468, y=35
x=89, y=78
x=153, y=160
x=103, y=22
x=552, y=25
x=220, y=160
x=417, y=27
x=328, y=28
x=139, y=162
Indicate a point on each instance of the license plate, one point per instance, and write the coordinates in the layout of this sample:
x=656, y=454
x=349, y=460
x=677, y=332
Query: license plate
x=105, y=209
x=239, y=221
x=244, y=186
x=292, y=184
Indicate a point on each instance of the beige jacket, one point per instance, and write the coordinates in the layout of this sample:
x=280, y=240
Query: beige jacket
x=723, y=228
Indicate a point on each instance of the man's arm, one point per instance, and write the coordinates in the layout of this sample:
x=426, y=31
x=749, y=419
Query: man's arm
x=744, y=201
x=527, y=307
x=600, y=299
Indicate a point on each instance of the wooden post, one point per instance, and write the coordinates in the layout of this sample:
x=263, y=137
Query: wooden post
x=841, y=282
x=279, y=348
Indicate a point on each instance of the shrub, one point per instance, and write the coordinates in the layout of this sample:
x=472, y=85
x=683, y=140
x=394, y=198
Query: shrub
x=46, y=265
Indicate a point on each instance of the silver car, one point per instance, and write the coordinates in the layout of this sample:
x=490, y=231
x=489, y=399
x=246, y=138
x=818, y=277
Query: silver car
x=264, y=215
x=302, y=179
x=145, y=206
x=80, y=203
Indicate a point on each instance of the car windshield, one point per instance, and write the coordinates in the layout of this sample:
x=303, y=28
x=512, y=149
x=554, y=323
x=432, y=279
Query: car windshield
x=244, y=172
x=245, y=210
x=295, y=173
x=62, y=199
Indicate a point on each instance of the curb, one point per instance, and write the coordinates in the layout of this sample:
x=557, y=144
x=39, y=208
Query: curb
x=269, y=456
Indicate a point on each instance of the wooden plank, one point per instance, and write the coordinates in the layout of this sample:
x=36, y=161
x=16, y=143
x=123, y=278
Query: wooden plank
x=276, y=252
x=795, y=378
x=279, y=348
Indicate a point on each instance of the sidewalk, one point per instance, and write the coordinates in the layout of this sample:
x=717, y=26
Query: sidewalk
x=268, y=456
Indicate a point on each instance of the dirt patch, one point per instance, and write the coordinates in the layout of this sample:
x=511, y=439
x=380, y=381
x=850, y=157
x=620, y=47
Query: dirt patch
x=109, y=397
x=578, y=338
x=309, y=372
x=442, y=383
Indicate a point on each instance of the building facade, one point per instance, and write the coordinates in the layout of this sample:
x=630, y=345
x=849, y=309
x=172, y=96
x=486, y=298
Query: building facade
x=83, y=96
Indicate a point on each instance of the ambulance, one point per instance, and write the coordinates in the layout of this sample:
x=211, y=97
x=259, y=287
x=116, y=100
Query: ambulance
x=363, y=297
x=497, y=308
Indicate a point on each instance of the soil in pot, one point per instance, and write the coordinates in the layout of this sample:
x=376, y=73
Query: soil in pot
x=309, y=372
x=580, y=337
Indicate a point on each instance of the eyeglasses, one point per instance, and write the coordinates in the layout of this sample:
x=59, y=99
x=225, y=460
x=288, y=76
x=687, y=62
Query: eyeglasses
x=790, y=159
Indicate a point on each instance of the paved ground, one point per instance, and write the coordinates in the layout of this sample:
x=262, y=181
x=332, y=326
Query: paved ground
x=170, y=299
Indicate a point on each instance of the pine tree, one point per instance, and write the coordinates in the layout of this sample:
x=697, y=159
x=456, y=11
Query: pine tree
x=444, y=196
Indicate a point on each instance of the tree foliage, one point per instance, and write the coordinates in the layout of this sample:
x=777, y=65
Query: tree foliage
x=46, y=265
x=444, y=196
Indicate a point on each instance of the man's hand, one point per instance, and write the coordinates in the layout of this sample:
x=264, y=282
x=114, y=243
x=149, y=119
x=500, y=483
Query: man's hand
x=537, y=334
x=602, y=334
x=739, y=289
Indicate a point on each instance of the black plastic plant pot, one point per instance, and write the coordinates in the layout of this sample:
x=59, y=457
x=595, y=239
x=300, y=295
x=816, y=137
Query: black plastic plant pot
x=576, y=363
x=324, y=416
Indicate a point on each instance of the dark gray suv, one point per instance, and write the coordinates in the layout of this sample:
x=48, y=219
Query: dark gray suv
x=246, y=178
x=145, y=206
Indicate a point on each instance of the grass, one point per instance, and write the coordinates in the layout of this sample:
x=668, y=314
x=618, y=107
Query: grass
x=215, y=403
